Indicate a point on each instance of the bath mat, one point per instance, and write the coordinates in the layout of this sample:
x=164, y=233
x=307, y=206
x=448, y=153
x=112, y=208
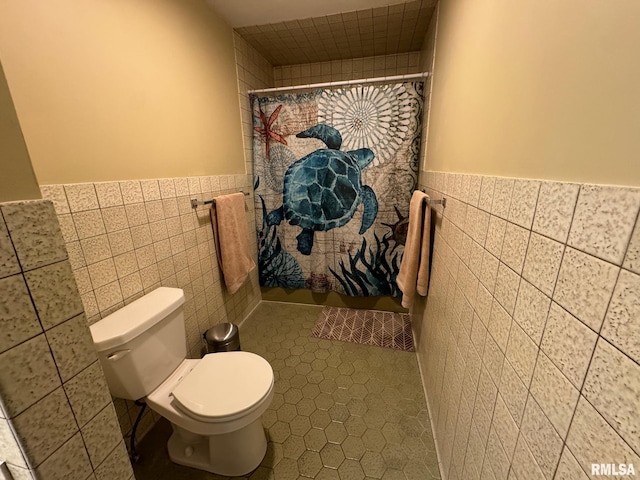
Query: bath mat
x=368, y=327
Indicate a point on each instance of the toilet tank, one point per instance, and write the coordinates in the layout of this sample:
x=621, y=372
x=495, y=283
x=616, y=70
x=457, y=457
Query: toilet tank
x=141, y=344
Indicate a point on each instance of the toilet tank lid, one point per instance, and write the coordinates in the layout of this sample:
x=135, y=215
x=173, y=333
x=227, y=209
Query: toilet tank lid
x=130, y=321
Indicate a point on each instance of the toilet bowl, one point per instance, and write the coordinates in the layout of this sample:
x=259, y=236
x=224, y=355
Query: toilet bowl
x=214, y=404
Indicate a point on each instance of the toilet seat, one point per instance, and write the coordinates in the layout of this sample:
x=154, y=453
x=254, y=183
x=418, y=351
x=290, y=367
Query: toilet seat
x=224, y=386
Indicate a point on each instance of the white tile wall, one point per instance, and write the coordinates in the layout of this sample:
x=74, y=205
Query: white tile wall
x=51, y=384
x=554, y=297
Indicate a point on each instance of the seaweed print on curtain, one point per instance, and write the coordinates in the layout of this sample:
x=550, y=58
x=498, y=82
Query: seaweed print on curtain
x=334, y=173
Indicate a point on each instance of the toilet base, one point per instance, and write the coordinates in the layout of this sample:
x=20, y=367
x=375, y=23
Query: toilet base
x=231, y=454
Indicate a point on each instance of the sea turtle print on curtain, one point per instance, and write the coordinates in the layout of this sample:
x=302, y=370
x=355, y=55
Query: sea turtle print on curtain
x=334, y=172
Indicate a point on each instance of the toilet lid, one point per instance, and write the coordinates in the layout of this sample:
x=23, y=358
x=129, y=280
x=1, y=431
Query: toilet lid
x=224, y=384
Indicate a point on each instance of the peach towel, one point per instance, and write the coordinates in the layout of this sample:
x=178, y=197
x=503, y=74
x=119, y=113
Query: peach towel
x=414, y=268
x=231, y=235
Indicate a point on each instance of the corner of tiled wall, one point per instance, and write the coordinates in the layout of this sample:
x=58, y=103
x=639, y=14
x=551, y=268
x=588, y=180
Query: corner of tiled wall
x=57, y=419
x=529, y=338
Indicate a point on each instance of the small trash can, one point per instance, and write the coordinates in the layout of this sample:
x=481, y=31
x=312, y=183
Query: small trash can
x=223, y=337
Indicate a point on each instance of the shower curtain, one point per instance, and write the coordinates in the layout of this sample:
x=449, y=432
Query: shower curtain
x=334, y=171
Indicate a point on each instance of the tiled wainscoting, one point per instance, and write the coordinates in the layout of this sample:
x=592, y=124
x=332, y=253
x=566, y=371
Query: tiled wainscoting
x=127, y=238
x=57, y=419
x=529, y=343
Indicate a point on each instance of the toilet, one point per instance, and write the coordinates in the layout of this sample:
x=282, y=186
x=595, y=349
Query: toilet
x=214, y=404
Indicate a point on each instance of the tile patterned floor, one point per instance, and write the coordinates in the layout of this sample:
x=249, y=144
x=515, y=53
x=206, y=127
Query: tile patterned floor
x=340, y=410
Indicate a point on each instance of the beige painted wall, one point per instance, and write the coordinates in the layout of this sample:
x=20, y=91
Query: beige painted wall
x=17, y=181
x=122, y=89
x=540, y=89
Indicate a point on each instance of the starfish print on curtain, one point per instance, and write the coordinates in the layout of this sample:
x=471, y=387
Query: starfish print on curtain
x=267, y=132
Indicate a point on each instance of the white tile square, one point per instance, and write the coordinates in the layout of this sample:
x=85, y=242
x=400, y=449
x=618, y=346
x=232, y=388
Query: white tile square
x=569, y=343
x=101, y=435
x=131, y=192
x=603, y=221
x=484, y=299
x=555, y=395
x=141, y=235
x=486, y=193
x=150, y=190
x=167, y=188
x=96, y=249
x=155, y=210
x=507, y=283
x=72, y=346
x=613, y=388
x=145, y=256
x=495, y=459
x=523, y=204
x=108, y=295
x=76, y=257
x=544, y=442
x=473, y=196
x=524, y=465
x=182, y=186
x=35, y=233
x=8, y=260
x=632, y=258
x=136, y=214
x=57, y=195
x=493, y=358
x=120, y=242
x=521, y=353
x=556, y=204
x=28, y=374
x=81, y=196
x=109, y=194
x=131, y=285
x=88, y=223
x=102, y=273
x=69, y=461
x=514, y=247
x=584, y=286
x=591, y=439
x=18, y=319
x=513, y=391
x=88, y=393
x=194, y=185
x=495, y=235
x=622, y=322
x=542, y=263
x=502, y=197
x=569, y=468
x=115, y=219
x=505, y=426
x=489, y=271
x=45, y=426
x=499, y=325
x=67, y=228
x=54, y=293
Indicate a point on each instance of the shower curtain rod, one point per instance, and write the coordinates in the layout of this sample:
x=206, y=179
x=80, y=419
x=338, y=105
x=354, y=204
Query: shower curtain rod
x=391, y=78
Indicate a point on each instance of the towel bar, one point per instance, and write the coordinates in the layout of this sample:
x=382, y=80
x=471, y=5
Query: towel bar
x=195, y=202
x=440, y=201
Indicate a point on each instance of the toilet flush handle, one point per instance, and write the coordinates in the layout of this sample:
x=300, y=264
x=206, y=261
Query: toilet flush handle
x=117, y=355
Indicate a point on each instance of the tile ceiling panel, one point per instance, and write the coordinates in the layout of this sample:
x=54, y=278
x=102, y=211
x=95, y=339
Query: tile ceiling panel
x=365, y=33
